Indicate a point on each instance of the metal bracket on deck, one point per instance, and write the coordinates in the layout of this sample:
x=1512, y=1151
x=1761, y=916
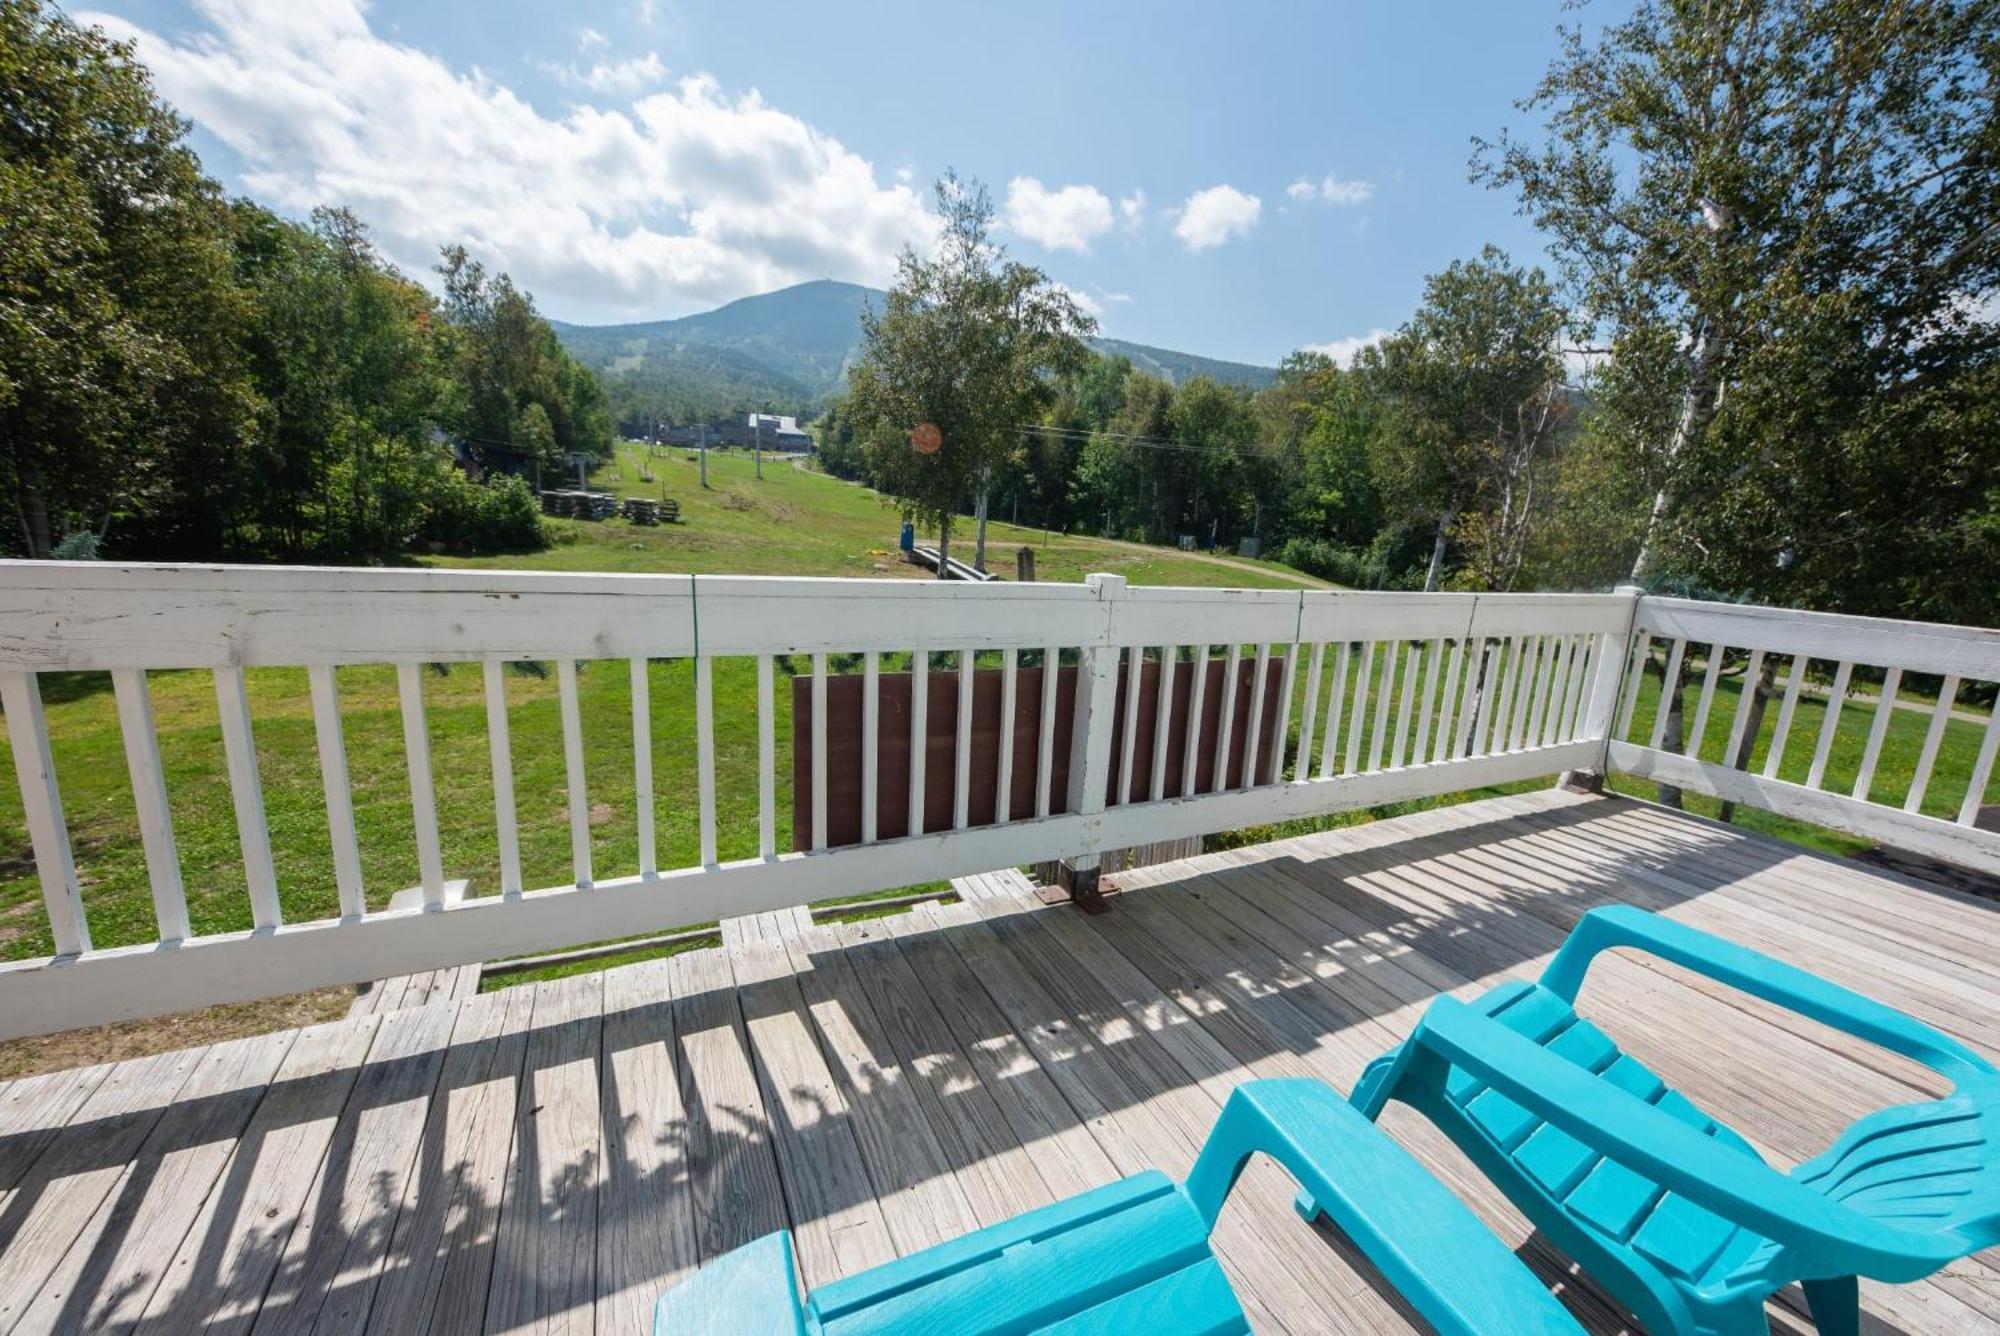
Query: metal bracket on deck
x=1079, y=885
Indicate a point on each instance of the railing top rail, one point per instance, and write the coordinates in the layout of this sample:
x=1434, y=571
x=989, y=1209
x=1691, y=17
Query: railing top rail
x=1925, y=647
x=57, y=616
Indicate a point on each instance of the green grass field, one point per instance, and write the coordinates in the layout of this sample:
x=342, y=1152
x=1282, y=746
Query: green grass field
x=795, y=521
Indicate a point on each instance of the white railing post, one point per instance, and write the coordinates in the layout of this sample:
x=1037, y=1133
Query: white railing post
x=1090, y=738
x=1600, y=707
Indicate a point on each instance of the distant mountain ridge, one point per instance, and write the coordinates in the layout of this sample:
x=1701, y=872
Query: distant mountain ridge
x=790, y=348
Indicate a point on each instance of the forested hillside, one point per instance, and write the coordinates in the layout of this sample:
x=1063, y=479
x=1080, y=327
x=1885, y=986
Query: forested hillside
x=789, y=350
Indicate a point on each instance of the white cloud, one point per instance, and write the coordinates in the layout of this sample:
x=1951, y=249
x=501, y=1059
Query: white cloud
x=1066, y=219
x=589, y=39
x=1085, y=302
x=627, y=76
x=687, y=197
x=1344, y=351
x=1332, y=189
x=1132, y=209
x=1215, y=215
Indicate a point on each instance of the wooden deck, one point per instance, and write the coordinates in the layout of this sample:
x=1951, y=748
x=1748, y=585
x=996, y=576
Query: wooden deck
x=554, y=1155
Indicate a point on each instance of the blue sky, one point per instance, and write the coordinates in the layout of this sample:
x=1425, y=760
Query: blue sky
x=1233, y=180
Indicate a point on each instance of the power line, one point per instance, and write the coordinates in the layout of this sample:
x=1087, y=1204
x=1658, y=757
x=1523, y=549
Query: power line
x=1128, y=441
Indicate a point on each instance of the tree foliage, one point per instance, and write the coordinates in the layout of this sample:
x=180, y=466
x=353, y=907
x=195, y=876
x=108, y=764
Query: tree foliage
x=1782, y=219
x=182, y=377
x=964, y=343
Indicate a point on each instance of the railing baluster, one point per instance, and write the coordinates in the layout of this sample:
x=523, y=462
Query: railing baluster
x=1669, y=688
x=149, y=793
x=1947, y=701
x=1309, y=713
x=1541, y=696
x=1003, y=779
x=1128, y=732
x=704, y=746
x=1254, y=738
x=871, y=727
x=1227, y=726
x=767, y=755
x=41, y=800
x=1503, y=700
x=961, y=784
x=423, y=792
x=1584, y=668
x=1745, y=699
x=1392, y=651
x=1537, y=648
x=1433, y=654
x=1472, y=706
x=1570, y=655
x=1642, y=645
x=1569, y=658
x=500, y=750
x=1357, y=720
x=1197, y=694
x=1415, y=659
x=1336, y=699
x=920, y=707
x=1045, y=751
x=1716, y=653
x=1793, y=681
x=1286, y=677
x=1830, y=725
x=579, y=795
x=1982, y=770
x=642, y=764
x=1885, y=710
x=246, y=790
x=819, y=751
x=1163, y=714
x=1447, y=701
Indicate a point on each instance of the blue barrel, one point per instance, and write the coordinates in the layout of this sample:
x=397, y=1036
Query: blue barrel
x=909, y=539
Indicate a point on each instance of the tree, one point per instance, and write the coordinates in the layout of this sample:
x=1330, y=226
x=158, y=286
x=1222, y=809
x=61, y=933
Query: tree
x=1473, y=388
x=1782, y=217
x=965, y=343
x=512, y=380
x=120, y=385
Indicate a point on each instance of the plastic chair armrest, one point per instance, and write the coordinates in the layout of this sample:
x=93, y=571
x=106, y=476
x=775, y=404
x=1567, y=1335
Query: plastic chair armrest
x=1760, y=976
x=1424, y=1240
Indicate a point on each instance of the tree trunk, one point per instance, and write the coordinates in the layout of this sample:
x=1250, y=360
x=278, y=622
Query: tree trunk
x=34, y=506
x=1698, y=405
x=944, y=548
x=979, y=546
x=1437, y=559
x=1762, y=691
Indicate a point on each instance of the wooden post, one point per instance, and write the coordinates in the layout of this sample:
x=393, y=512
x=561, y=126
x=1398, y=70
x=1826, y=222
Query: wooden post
x=1600, y=706
x=1024, y=565
x=1090, y=743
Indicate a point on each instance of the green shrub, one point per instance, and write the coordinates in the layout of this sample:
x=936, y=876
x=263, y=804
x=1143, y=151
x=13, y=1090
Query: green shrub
x=499, y=515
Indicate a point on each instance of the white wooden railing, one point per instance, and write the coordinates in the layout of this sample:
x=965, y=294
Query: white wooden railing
x=1381, y=697
x=1795, y=777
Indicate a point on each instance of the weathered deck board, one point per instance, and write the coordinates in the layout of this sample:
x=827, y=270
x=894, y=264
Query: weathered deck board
x=552, y=1156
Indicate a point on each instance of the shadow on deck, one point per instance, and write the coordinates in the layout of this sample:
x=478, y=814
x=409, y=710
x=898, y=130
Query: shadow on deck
x=565, y=1151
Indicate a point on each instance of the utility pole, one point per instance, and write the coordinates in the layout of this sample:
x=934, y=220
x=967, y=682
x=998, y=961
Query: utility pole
x=758, y=448
x=704, y=455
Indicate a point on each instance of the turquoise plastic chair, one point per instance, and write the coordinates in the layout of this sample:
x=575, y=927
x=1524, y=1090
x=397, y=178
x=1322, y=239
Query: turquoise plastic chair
x=1134, y=1256
x=1672, y=1212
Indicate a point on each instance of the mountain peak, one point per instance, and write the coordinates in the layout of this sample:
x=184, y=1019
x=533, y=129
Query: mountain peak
x=789, y=349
